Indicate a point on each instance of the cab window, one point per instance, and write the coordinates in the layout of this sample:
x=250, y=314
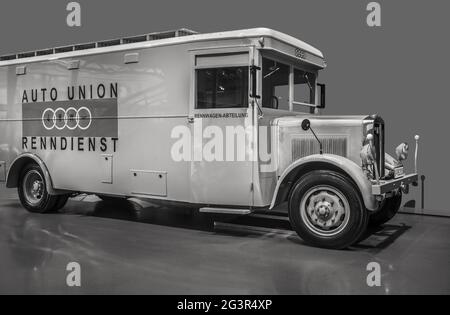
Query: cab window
x=275, y=84
x=225, y=87
x=304, y=90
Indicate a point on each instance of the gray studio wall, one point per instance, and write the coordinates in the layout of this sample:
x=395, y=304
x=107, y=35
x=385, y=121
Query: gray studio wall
x=399, y=70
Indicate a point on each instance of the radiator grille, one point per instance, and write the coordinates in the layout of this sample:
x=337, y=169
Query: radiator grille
x=305, y=146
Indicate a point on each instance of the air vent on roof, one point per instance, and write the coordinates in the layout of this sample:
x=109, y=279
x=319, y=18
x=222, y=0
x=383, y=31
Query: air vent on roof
x=106, y=43
x=85, y=46
x=135, y=39
x=44, y=52
x=155, y=36
x=8, y=57
x=184, y=32
x=63, y=49
x=26, y=54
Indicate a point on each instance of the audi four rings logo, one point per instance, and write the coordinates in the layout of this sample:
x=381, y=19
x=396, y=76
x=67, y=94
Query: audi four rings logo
x=70, y=118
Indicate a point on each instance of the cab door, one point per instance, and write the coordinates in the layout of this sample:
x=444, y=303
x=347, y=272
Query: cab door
x=221, y=119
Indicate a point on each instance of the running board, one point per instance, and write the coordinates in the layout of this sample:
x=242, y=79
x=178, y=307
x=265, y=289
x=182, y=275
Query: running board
x=225, y=210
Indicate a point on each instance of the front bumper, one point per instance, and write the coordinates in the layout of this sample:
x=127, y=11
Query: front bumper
x=386, y=186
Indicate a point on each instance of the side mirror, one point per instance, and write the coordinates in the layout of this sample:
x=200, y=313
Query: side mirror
x=321, y=91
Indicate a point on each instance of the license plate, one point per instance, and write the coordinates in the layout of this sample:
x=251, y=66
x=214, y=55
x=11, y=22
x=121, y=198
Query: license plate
x=398, y=172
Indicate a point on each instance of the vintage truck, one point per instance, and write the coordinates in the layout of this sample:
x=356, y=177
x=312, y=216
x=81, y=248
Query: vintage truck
x=227, y=122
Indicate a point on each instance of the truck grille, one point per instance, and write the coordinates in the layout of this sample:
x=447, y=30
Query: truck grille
x=308, y=145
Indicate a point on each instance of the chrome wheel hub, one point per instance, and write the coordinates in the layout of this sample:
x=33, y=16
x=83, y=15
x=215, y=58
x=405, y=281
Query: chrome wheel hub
x=36, y=189
x=33, y=187
x=325, y=210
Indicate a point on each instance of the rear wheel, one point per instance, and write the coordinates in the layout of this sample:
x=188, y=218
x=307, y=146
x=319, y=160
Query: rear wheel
x=33, y=192
x=326, y=210
x=387, y=211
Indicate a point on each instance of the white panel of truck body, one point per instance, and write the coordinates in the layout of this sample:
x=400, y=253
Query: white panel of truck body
x=106, y=167
x=151, y=183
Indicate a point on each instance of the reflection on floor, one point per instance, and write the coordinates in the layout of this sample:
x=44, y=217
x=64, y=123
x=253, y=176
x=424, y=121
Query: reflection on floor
x=134, y=247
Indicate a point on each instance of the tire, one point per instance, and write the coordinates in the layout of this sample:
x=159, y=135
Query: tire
x=325, y=224
x=62, y=200
x=387, y=211
x=33, y=192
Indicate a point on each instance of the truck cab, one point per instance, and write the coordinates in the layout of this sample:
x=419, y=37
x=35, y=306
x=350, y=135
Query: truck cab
x=331, y=170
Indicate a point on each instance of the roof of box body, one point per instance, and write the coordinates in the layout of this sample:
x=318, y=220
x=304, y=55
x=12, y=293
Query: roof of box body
x=150, y=40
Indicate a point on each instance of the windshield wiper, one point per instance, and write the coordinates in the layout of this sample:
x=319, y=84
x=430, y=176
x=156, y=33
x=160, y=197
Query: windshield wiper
x=270, y=73
x=307, y=81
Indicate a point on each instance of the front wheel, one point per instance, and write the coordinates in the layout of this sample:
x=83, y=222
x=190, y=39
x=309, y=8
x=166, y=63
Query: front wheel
x=33, y=192
x=326, y=210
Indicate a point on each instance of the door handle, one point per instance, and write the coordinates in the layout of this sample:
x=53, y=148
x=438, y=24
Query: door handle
x=190, y=120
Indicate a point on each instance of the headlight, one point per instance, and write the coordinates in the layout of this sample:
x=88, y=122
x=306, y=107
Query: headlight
x=367, y=157
x=402, y=151
x=366, y=153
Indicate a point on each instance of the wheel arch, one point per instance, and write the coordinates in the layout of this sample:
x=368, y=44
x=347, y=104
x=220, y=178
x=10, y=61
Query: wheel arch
x=329, y=162
x=13, y=176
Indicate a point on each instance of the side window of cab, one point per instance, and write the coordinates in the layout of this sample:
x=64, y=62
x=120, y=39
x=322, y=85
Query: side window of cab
x=222, y=81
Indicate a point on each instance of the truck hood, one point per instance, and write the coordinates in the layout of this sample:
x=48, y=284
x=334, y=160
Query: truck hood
x=340, y=135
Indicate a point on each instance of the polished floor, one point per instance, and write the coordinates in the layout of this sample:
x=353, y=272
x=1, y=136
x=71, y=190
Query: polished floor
x=130, y=247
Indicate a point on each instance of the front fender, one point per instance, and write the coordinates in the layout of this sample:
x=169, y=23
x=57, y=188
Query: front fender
x=13, y=177
x=331, y=162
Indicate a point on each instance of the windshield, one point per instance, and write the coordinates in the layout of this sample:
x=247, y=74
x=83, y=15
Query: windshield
x=276, y=87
